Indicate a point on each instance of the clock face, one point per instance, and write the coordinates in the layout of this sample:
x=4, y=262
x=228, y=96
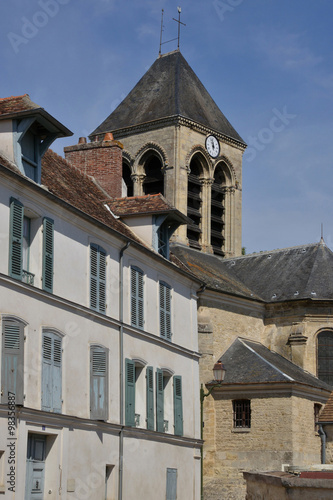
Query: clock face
x=212, y=146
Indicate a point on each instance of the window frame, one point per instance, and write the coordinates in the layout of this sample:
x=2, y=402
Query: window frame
x=241, y=414
x=325, y=374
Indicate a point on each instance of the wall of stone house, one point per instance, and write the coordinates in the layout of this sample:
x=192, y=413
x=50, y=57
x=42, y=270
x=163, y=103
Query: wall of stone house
x=291, y=329
x=282, y=432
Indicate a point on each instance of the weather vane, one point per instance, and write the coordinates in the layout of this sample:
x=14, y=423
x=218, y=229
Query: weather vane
x=179, y=23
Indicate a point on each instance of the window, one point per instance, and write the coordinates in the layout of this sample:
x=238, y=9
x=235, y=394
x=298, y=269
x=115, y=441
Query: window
x=51, y=372
x=136, y=297
x=242, y=413
x=171, y=484
x=98, y=383
x=97, y=278
x=20, y=244
x=165, y=311
x=30, y=156
x=325, y=356
x=12, y=370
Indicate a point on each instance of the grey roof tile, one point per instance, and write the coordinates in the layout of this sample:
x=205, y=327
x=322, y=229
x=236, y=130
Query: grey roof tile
x=250, y=362
x=169, y=88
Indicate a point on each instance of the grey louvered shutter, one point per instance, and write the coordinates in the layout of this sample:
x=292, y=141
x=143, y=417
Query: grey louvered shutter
x=150, y=397
x=97, y=278
x=98, y=383
x=165, y=311
x=178, y=405
x=48, y=237
x=12, y=372
x=129, y=393
x=52, y=372
x=16, y=238
x=137, y=297
x=171, y=484
x=159, y=401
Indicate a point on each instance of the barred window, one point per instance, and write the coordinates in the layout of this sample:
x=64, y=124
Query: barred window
x=242, y=413
x=325, y=356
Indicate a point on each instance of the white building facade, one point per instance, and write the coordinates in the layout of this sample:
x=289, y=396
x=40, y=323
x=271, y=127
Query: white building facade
x=99, y=353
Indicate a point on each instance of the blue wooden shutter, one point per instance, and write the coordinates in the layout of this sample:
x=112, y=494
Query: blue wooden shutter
x=178, y=405
x=12, y=373
x=48, y=237
x=159, y=401
x=129, y=393
x=165, y=311
x=98, y=383
x=16, y=239
x=97, y=278
x=171, y=484
x=150, y=398
x=136, y=297
x=52, y=372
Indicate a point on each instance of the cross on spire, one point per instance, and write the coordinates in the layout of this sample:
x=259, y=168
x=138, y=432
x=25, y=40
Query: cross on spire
x=179, y=23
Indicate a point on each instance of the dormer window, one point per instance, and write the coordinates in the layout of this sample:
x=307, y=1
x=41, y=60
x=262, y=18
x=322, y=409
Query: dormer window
x=29, y=152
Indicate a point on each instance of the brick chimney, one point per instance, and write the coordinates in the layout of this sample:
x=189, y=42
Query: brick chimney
x=101, y=160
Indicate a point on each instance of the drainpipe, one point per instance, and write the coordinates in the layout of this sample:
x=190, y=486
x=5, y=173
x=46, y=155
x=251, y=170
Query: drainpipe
x=121, y=363
x=323, y=443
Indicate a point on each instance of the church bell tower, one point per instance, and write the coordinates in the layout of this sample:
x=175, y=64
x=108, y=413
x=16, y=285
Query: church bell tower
x=177, y=142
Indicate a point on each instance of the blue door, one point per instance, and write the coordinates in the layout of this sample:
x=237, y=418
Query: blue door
x=35, y=467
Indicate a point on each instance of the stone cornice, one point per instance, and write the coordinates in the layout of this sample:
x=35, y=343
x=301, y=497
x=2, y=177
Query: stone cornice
x=174, y=121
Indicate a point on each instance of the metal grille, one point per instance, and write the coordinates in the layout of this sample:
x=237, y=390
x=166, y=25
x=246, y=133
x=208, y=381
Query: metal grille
x=242, y=413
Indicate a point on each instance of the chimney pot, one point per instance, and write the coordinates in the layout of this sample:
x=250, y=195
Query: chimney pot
x=108, y=137
x=82, y=140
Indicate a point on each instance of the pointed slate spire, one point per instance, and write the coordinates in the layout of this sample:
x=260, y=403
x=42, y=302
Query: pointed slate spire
x=168, y=89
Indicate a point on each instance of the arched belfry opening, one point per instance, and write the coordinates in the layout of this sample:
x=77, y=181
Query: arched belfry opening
x=127, y=187
x=217, y=217
x=153, y=182
x=194, y=202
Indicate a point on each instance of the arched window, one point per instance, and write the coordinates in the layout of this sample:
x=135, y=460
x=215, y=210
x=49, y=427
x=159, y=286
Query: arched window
x=325, y=356
x=217, y=211
x=127, y=189
x=194, y=203
x=154, y=179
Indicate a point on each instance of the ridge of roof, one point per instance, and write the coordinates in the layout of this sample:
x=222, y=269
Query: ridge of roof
x=17, y=104
x=169, y=88
x=274, y=251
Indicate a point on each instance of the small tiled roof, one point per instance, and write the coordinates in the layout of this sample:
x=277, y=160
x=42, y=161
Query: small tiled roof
x=302, y=272
x=22, y=105
x=250, y=362
x=143, y=205
x=16, y=104
x=327, y=413
x=169, y=88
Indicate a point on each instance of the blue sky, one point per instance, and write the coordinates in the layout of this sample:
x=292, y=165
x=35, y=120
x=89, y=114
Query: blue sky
x=268, y=64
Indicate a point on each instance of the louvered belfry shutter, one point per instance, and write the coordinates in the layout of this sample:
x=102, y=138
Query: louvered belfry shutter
x=48, y=244
x=12, y=372
x=159, y=401
x=52, y=372
x=16, y=239
x=178, y=405
x=136, y=297
x=98, y=383
x=150, y=398
x=129, y=392
x=165, y=311
x=97, y=278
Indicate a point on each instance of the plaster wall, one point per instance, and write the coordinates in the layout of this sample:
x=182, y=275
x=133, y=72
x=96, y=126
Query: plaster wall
x=7, y=143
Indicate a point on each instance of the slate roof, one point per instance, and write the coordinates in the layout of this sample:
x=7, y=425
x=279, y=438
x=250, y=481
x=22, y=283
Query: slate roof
x=250, y=362
x=302, y=272
x=144, y=205
x=169, y=88
x=15, y=106
x=327, y=413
